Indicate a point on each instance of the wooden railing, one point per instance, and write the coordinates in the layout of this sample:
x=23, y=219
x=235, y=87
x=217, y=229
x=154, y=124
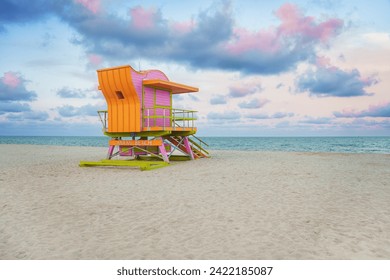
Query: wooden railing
x=103, y=118
x=168, y=117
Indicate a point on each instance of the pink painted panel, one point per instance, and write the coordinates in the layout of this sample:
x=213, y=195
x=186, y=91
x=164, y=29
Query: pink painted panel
x=162, y=98
x=148, y=97
x=137, y=82
x=138, y=77
x=163, y=121
x=156, y=75
x=148, y=103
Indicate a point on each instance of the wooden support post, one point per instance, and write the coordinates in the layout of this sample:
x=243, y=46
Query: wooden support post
x=110, y=151
x=163, y=151
x=186, y=143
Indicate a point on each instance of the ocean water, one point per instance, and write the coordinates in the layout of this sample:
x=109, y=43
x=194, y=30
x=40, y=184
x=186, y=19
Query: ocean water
x=378, y=145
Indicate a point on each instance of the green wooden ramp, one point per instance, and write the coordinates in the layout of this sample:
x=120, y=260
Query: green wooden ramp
x=142, y=164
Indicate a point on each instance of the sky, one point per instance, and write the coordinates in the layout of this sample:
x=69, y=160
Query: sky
x=263, y=68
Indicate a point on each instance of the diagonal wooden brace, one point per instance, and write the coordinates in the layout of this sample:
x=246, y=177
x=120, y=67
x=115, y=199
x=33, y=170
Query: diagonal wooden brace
x=186, y=143
x=163, y=151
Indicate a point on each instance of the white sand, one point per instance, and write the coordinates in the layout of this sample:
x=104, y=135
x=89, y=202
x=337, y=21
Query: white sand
x=236, y=205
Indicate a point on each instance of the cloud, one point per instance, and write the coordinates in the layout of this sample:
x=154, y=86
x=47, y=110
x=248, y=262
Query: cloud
x=243, y=90
x=71, y=111
x=294, y=31
x=253, y=104
x=144, y=19
x=278, y=115
x=193, y=97
x=14, y=98
x=371, y=124
x=281, y=115
x=11, y=79
x=47, y=39
x=231, y=115
x=92, y=5
x=22, y=11
x=211, y=40
x=177, y=97
x=104, y=34
x=279, y=49
x=48, y=128
x=66, y=92
x=328, y=81
x=13, y=107
x=94, y=60
x=322, y=120
x=29, y=115
x=218, y=99
x=376, y=111
x=294, y=23
x=13, y=88
x=91, y=92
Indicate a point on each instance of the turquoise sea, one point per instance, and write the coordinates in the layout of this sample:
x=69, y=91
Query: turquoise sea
x=378, y=145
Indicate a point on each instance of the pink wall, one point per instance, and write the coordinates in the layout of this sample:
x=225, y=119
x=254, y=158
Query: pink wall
x=162, y=98
x=137, y=82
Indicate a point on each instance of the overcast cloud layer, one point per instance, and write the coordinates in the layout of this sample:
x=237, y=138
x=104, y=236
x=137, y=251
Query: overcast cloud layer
x=300, y=67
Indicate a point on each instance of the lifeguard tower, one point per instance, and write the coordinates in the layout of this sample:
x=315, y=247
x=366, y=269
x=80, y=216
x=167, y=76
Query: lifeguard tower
x=144, y=128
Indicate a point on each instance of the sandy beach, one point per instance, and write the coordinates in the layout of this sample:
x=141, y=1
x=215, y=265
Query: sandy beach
x=235, y=205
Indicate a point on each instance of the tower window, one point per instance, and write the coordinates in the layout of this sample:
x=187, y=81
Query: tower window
x=119, y=94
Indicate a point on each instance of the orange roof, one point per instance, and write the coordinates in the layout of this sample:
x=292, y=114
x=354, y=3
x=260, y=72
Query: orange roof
x=171, y=86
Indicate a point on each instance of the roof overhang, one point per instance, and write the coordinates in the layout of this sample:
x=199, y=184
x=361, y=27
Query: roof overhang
x=175, y=88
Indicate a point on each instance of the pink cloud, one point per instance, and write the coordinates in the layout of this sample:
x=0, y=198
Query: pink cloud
x=291, y=17
x=237, y=91
x=143, y=19
x=253, y=104
x=183, y=27
x=91, y=5
x=294, y=25
x=371, y=80
x=348, y=112
x=95, y=59
x=13, y=89
x=261, y=40
x=11, y=79
x=382, y=110
x=322, y=61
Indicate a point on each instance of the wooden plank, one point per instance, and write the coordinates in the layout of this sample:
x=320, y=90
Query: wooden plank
x=143, y=165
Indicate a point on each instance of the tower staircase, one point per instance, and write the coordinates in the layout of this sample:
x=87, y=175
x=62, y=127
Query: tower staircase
x=197, y=145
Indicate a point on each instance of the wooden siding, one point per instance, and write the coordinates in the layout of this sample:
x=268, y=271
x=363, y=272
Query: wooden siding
x=124, y=110
x=149, y=100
